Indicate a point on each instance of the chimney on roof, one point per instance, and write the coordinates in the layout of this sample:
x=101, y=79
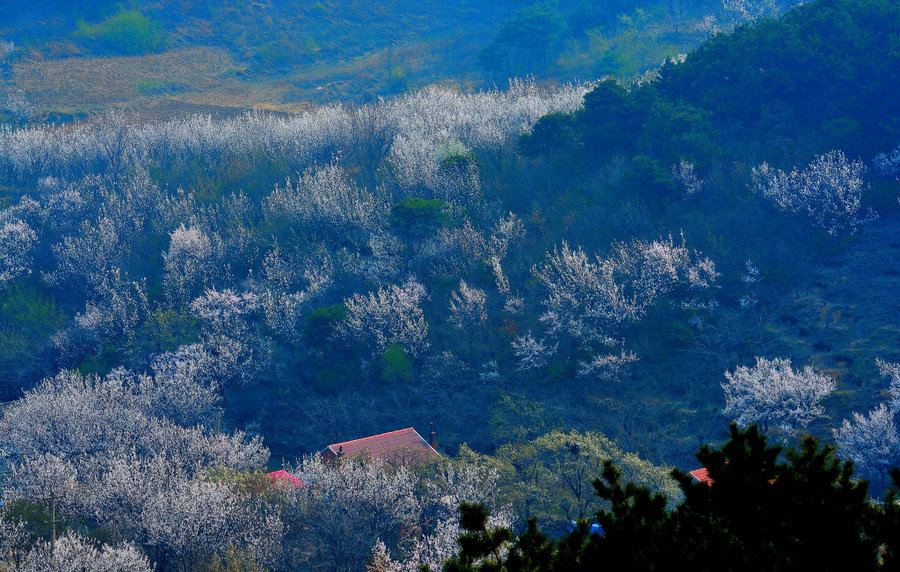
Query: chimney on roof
x=432, y=437
x=340, y=450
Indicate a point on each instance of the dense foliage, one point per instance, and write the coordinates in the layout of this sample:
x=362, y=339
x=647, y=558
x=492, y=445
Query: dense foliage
x=758, y=512
x=556, y=275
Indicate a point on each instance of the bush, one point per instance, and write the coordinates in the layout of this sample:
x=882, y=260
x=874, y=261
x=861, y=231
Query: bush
x=396, y=367
x=127, y=32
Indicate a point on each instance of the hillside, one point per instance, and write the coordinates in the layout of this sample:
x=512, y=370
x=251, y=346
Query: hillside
x=553, y=273
x=65, y=61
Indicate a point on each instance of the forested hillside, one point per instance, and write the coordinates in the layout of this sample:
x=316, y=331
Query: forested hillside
x=553, y=273
x=62, y=60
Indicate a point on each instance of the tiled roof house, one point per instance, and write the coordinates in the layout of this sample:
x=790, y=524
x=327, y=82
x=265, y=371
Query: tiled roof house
x=400, y=448
x=284, y=480
x=702, y=475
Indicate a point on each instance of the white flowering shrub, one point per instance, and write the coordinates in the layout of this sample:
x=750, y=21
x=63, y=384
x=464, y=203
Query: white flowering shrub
x=225, y=309
x=871, y=441
x=887, y=165
x=432, y=121
x=589, y=297
x=391, y=315
x=455, y=250
x=197, y=518
x=829, y=191
x=323, y=198
x=74, y=553
x=17, y=241
x=891, y=370
x=684, y=175
x=188, y=261
x=775, y=396
x=607, y=367
x=467, y=306
x=90, y=258
x=410, y=129
x=290, y=289
x=350, y=509
x=531, y=352
x=107, y=450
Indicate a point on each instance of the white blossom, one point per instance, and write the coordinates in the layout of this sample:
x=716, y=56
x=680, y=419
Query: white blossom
x=588, y=298
x=74, y=553
x=324, y=198
x=513, y=304
x=870, y=440
x=532, y=353
x=352, y=509
x=198, y=518
x=608, y=366
x=189, y=260
x=499, y=277
x=892, y=372
x=829, y=191
x=773, y=395
x=751, y=274
x=223, y=309
x=90, y=258
x=887, y=165
x=683, y=173
x=389, y=316
x=17, y=241
x=467, y=306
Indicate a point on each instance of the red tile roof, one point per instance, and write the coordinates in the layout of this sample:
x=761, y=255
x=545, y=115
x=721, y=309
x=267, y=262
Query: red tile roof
x=400, y=447
x=702, y=475
x=283, y=478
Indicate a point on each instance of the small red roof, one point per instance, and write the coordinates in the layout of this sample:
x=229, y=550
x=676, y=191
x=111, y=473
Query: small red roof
x=283, y=478
x=702, y=475
x=399, y=447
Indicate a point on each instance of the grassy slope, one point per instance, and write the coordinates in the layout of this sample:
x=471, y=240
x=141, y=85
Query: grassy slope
x=287, y=55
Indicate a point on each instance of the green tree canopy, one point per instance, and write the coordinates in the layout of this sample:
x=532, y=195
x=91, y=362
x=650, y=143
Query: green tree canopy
x=762, y=510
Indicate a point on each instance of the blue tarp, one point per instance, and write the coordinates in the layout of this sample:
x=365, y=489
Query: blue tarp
x=594, y=528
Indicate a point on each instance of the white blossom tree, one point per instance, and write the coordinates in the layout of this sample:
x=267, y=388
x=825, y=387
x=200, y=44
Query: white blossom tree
x=684, y=174
x=389, y=316
x=106, y=450
x=871, y=441
x=607, y=366
x=590, y=297
x=74, y=553
x=887, y=165
x=289, y=289
x=188, y=261
x=198, y=518
x=347, y=507
x=15, y=542
x=240, y=350
x=774, y=395
x=891, y=370
x=531, y=352
x=17, y=241
x=324, y=199
x=467, y=306
x=89, y=259
x=351, y=509
x=829, y=191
